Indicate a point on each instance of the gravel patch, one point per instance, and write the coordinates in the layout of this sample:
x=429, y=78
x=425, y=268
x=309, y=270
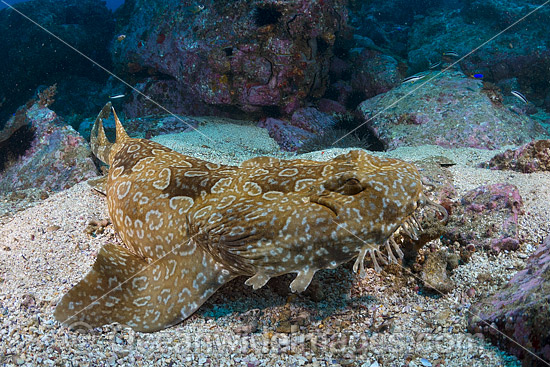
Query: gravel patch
x=342, y=320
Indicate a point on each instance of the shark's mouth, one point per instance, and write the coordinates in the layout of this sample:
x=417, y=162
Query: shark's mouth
x=326, y=202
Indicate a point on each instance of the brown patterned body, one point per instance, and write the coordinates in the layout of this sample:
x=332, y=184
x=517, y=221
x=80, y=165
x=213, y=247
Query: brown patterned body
x=190, y=226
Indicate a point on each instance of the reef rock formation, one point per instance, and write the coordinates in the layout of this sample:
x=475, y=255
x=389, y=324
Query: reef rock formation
x=531, y=157
x=447, y=109
x=305, y=124
x=57, y=156
x=487, y=217
x=517, y=317
x=266, y=57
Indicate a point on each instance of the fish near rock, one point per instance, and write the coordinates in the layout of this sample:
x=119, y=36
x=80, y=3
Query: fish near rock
x=189, y=226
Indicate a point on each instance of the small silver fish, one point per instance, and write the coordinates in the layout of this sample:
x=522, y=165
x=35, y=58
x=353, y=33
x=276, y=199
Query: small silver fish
x=414, y=78
x=434, y=65
x=117, y=96
x=450, y=53
x=519, y=96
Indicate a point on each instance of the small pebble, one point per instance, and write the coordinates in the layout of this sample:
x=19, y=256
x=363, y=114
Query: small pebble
x=53, y=228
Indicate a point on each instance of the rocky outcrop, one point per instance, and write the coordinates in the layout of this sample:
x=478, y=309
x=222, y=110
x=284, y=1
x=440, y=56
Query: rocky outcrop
x=57, y=157
x=487, y=218
x=265, y=57
x=531, y=157
x=517, y=318
x=447, y=109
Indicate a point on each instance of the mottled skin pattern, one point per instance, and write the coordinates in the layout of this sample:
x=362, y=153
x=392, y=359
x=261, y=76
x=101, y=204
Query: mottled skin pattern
x=189, y=226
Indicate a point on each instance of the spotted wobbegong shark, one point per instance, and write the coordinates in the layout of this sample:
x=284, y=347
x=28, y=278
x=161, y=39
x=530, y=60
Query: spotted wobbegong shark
x=189, y=226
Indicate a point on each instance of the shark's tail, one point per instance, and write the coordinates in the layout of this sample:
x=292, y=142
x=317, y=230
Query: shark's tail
x=101, y=146
x=146, y=296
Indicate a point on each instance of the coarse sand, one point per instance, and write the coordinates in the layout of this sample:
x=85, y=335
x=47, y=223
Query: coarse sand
x=342, y=321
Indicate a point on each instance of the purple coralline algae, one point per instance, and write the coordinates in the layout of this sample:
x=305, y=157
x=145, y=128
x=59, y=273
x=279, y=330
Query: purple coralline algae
x=517, y=318
x=58, y=156
x=487, y=217
x=244, y=54
x=446, y=109
x=531, y=157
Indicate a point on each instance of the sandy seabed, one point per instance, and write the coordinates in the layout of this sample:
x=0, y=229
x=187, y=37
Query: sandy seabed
x=343, y=320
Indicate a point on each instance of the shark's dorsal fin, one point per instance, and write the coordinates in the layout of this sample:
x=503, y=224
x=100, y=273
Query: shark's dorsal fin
x=121, y=135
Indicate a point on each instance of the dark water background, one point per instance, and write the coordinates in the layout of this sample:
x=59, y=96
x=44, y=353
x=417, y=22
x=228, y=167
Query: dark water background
x=111, y=4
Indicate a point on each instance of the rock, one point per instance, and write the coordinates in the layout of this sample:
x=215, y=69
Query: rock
x=169, y=95
x=374, y=73
x=520, y=311
x=434, y=273
x=531, y=157
x=244, y=54
x=330, y=106
x=58, y=157
x=246, y=329
x=450, y=110
x=288, y=137
x=16, y=122
x=305, y=124
x=27, y=300
x=487, y=217
x=312, y=120
x=342, y=92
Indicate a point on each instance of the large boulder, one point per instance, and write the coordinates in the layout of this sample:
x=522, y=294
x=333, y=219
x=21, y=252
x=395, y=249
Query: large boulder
x=487, y=217
x=373, y=73
x=531, y=157
x=447, y=109
x=254, y=56
x=57, y=157
x=517, y=318
x=304, y=125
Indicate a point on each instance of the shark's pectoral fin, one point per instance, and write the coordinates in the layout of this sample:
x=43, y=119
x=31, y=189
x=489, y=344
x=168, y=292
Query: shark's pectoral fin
x=302, y=280
x=124, y=288
x=258, y=280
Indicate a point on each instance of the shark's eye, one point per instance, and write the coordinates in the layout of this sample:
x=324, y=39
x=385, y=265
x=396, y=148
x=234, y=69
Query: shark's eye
x=346, y=183
x=352, y=186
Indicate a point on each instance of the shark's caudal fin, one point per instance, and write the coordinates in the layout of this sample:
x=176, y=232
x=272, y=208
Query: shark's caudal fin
x=124, y=288
x=101, y=146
